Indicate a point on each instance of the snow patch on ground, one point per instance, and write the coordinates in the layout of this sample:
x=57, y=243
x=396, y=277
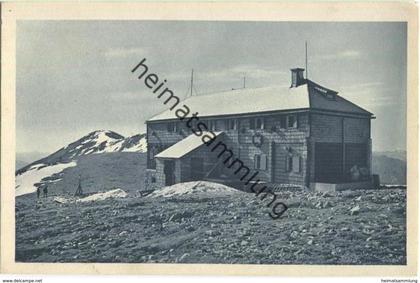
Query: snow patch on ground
x=197, y=187
x=89, y=151
x=25, y=183
x=61, y=200
x=36, y=166
x=117, y=193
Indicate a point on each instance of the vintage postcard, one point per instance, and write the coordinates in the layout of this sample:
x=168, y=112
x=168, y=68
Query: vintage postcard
x=209, y=138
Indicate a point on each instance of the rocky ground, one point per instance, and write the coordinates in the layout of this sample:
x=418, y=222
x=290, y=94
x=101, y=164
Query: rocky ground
x=352, y=227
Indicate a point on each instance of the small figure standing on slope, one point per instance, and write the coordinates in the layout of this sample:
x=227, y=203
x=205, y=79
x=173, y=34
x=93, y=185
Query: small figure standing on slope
x=79, y=190
x=38, y=192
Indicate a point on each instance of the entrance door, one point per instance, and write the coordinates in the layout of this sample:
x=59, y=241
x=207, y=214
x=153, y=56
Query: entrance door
x=356, y=154
x=328, y=162
x=197, y=169
x=169, y=170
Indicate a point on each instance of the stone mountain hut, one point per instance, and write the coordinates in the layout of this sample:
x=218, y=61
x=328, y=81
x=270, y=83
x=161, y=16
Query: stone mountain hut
x=305, y=135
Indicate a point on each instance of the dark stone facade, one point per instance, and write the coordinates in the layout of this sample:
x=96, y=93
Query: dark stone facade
x=293, y=147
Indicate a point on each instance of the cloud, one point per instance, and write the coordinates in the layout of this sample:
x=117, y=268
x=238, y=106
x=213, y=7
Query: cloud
x=365, y=86
x=372, y=94
x=141, y=96
x=124, y=96
x=345, y=54
x=125, y=52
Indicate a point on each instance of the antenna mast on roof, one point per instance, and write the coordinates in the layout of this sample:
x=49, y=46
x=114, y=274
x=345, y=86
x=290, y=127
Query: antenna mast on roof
x=306, y=59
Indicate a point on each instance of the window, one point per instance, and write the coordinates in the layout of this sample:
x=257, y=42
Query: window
x=252, y=123
x=260, y=161
x=283, y=122
x=231, y=124
x=256, y=123
x=294, y=164
x=292, y=121
x=212, y=125
x=259, y=123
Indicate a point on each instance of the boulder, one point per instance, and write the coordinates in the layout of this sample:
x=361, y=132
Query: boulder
x=355, y=210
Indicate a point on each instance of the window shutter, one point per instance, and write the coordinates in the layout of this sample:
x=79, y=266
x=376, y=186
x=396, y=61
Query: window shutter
x=257, y=161
x=289, y=163
x=296, y=164
x=233, y=124
x=263, y=162
x=300, y=164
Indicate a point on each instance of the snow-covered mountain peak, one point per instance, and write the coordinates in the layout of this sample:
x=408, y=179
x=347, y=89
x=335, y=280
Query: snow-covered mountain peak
x=100, y=141
x=99, y=137
x=49, y=169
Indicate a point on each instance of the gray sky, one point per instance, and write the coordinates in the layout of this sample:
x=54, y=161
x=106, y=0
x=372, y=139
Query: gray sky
x=73, y=77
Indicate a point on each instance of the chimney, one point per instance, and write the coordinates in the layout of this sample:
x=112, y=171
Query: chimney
x=297, y=77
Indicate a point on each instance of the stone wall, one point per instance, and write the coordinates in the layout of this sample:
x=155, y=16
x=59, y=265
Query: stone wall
x=150, y=181
x=276, y=140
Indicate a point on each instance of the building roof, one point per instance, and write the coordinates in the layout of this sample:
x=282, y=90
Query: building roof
x=246, y=101
x=318, y=100
x=184, y=146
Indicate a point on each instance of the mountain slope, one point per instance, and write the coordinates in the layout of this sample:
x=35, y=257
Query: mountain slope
x=36, y=175
x=390, y=170
x=102, y=172
x=396, y=154
x=93, y=143
x=25, y=158
x=49, y=170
